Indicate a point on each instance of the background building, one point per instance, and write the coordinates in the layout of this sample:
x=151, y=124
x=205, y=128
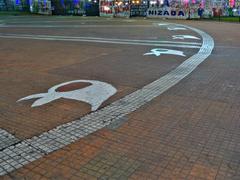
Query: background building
x=14, y=5
x=124, y=8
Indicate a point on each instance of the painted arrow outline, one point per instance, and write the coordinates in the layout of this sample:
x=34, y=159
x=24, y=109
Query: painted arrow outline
x=57, y=138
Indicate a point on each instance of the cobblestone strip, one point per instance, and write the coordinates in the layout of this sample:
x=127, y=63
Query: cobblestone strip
x=29, y=150
x=6, y=139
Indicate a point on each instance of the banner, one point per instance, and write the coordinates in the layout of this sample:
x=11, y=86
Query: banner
x=167, y=12
x=117, y=9
x=106, y=8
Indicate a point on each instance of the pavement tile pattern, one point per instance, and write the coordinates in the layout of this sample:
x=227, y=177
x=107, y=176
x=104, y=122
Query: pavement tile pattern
x=65, y=134
x=191, y=131
x=178, y=142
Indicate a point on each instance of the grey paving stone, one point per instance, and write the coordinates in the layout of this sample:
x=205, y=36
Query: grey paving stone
x=6, y=139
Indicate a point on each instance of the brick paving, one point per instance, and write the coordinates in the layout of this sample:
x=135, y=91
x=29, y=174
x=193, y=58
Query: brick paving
x=57, y=62
x=189, y=132
x=63, y=135
x=181, y=141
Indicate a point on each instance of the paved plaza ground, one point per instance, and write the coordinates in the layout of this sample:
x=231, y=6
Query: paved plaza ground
x=172, y=116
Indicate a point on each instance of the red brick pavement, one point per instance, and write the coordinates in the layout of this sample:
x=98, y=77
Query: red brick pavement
x=186, y=139
x=189, y=132
x=27, y=71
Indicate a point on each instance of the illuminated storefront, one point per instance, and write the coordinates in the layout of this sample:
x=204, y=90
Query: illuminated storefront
x=123, y=8
x=76, y=7
x=174, y=9
x=153, y=8
x=10, y=5
x=139, y=7
x=40, y=6
x=119, y=8
x=65, y=7
x=106, y=8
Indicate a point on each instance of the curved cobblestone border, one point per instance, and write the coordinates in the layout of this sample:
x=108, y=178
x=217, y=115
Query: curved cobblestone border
x=7, y=139
x=16, y=156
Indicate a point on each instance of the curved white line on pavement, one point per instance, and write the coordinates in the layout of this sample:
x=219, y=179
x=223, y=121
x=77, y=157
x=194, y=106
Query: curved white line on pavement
x=32, y=149
x=182, y=37
x=176, y=28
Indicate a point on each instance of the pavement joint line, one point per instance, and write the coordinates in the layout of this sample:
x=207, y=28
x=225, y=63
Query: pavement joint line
x=29, y=150
x=100, y=41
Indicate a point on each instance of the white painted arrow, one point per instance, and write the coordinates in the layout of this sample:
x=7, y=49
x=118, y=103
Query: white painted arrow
x=95, y=94
x=184, y=37
x=159, y=51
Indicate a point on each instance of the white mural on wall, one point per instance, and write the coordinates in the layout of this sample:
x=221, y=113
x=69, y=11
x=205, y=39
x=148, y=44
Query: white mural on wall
x=176, y=28
x=94, y=94
x=184, y=37
x=159, y=51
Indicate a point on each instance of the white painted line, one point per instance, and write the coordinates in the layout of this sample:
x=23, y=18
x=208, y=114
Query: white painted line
x=163, y=24
x=185, y=37
x=159, y=51
x=74, y=26
x=108, y=41
x=97, y=38
x=176, y=28
x=94, y=94
x=41, y=21
x=32, y=149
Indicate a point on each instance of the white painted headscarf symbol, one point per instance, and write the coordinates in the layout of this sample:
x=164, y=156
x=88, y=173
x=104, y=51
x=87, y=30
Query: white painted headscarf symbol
x=95, y=94
x=159, y=51
x=184, y=37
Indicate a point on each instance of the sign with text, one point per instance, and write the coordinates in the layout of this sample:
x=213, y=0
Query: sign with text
x=167, y=13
